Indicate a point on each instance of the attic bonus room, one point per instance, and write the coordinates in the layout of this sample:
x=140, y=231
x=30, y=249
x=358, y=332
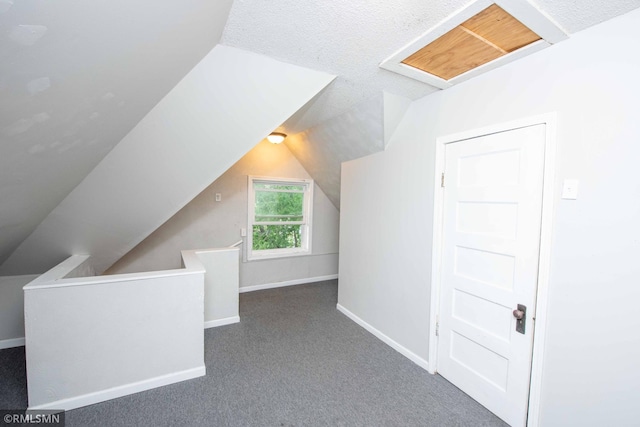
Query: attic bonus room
x=244, y=213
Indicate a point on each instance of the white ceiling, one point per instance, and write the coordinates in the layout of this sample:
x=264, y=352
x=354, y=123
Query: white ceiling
x=351, y=38
x=76, y=76
x=576, y=15
x=345, y=38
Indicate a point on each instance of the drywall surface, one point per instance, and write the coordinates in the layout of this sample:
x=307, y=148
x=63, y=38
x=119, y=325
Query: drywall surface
x=73, y=84
x=205, y=223
x=384, y=243
x=590, y=373
x=365, y=129
x=322, y=148
x=394, y=108
x=12, y=310
x=223, y=107
x=93, y=339
x=221, y=299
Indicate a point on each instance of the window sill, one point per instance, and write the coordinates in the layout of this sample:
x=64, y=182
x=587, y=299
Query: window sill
x=265, y=255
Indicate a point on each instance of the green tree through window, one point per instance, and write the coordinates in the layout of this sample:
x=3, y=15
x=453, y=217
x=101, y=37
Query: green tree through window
x=280, y=215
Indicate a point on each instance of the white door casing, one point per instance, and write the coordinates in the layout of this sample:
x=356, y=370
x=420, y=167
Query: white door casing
x=491, y=211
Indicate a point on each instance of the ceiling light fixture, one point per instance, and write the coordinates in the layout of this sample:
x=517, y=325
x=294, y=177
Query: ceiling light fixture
x=276, y=137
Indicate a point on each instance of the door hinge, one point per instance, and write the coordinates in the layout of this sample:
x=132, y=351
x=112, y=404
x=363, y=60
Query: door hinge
x=437, y=329
x=442, y=180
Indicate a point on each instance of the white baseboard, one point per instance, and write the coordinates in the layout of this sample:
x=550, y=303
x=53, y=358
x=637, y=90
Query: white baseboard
x=124, y=390
x=13, y=342
x=391, y=343
x=221, y=322
x=288, y=283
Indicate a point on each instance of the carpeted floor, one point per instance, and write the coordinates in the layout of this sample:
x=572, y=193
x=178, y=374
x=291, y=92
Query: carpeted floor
x=294, y=360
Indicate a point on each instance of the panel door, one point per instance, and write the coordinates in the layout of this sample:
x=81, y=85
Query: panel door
x=491, y=238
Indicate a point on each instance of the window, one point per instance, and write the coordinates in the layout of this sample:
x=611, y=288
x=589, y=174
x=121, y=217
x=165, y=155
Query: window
x=279, y=217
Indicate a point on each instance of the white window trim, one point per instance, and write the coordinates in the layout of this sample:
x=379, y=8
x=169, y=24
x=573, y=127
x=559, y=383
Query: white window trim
x=252, y=255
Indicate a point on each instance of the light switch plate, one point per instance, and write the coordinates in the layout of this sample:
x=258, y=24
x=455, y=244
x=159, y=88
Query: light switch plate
x=218, y=197
x=570, y=189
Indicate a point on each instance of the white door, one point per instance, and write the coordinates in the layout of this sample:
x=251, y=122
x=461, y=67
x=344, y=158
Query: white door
x=491, y=238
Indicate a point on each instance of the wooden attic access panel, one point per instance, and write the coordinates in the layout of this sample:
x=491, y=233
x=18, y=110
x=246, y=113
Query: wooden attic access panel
x=490, y=34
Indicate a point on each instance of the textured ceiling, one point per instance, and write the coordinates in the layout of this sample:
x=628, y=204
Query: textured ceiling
x=75, y=77
x=322, y=149
x=345, y=38
x=576, y=15
x=351, y=38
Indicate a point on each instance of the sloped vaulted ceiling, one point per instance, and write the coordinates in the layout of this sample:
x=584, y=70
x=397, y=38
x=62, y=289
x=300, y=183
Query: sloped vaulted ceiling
x=75, y=77
x=190, y=138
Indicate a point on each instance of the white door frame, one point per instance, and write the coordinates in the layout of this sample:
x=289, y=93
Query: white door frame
x=545, y=246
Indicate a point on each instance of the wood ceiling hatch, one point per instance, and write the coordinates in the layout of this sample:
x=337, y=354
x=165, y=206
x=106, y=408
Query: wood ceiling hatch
x=485, y=35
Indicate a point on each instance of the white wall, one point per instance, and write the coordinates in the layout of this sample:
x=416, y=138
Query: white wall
x=363, y=130
x=221, y=299
x=591, y=374
x=12, y=310
x=205, y=223
x=93, y=339
x=229, y=101
x=322, y=148
x=394, y=108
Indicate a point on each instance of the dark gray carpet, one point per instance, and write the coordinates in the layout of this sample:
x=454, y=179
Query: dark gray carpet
x=294, y=360
x=13, y=379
